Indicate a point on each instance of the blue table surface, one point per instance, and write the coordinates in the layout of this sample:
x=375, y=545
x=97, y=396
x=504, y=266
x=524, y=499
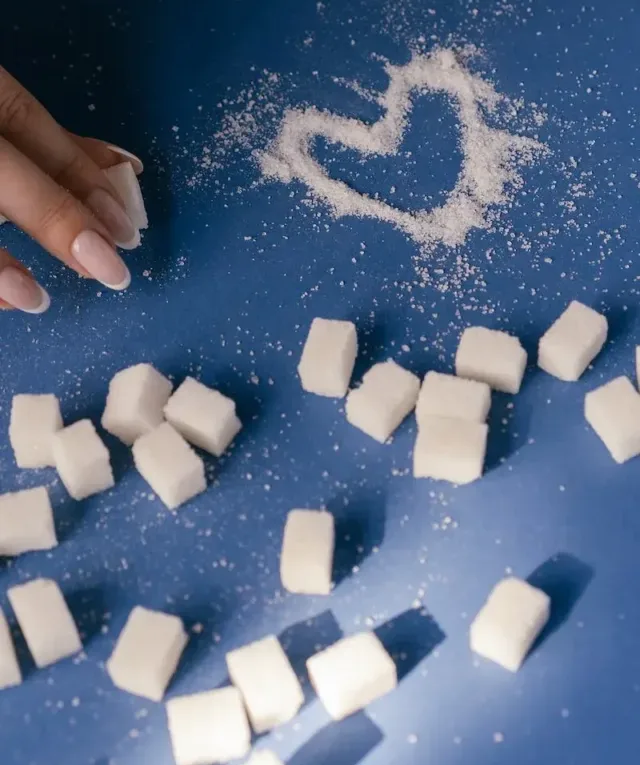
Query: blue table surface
x=224, y=288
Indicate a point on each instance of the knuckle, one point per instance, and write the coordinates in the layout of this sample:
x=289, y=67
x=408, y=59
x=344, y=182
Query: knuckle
x=57, y=213
x=72, y=168
x=16, y=107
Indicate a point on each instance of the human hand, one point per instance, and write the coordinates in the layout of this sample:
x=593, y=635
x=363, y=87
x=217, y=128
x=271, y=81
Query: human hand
x=52, y=187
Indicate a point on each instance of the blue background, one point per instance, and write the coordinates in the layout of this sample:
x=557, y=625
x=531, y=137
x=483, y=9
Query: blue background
x=227, y=308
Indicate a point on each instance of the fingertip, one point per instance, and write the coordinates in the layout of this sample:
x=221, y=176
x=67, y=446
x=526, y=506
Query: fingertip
x=136, y=162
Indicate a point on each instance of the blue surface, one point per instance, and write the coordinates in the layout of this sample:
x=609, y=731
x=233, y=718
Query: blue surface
x=226, y=308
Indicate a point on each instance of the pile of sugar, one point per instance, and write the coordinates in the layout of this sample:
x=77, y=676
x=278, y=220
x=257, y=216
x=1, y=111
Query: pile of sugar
x=491, y=156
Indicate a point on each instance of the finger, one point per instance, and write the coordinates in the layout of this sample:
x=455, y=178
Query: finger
x=53, y=216
x=34, y=132
x=106, y=154
x=18, y=288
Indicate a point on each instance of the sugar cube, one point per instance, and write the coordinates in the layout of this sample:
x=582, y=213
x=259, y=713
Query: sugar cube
x=124, y=180
x=45, y=621
x=147, y=653
x=450, y=396
x=263, y=757
x=82, y=460
x=351, y=674
x=328, y=357
x=613, y=411
x=306, y=560
x=26, y=522
x=169, y=465
x=509, y=622
x=135, y=403
x=493, y=357
x=450, y=450
x=203, y=416
x=271, y=691
x=34, y=420
x=9, y=668
x=572, y=342
x=387, y=394
x=208, y=727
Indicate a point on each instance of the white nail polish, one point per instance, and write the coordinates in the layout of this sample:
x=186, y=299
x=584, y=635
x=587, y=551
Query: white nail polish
x=123, y=284
x=135, y=161
x=131, y=244
x=44, y=305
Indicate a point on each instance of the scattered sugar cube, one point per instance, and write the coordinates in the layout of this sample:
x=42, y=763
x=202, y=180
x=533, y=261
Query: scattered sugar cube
x=613, y=411
x=509, y=622
x=45, y=621
x=135, y=403
x=306, y=560
x=147, y=653
x=9, y=668
x=572, y=342
x=124, y=180
x=26, y=522
x=493, y=357
x=264, y=757
x=203, y=416
x=82, y=460
x=328, y=357
x=208, y=727
x=271, y=691
x=34, y=420
x=450, y=450
x=351, y=674
x=450, y=396
x=387, y=394
x=169, y=465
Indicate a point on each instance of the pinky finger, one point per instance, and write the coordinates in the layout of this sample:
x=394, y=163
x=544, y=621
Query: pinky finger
x=18, y=288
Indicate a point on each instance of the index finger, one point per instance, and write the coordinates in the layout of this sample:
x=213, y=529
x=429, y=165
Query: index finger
x=35, y=133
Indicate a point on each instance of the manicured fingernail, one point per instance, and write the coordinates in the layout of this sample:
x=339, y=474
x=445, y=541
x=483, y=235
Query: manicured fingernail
x=22, y=291
x=135, y=161
x=100, y=259
x=112, y=215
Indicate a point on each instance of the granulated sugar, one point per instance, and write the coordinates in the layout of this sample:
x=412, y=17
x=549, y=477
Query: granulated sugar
x=491, y=156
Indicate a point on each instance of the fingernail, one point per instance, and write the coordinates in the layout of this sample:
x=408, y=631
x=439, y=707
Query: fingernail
x=22, y=292
x=112, y=214
x=101, y=260
x=135, y=161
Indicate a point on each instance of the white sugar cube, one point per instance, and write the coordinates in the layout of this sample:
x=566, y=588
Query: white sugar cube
x=45, y=621
x=124, y=180
x=209, y=727
x=34, y=420
x=450, y=396
x=450, y=450
x=387, y=394
x=351, y=674
x=203, y=416
x=493, y=357
x=9, y=668
x=572, y=342
x=135, y=403
x=169, y=465
x=263, y=757
x=509, y=622
x=328, y=357
x=26, y=522
x=306, y=560
x=613, y=411
x=147, y=653
x=82, y=460
x=271, y=691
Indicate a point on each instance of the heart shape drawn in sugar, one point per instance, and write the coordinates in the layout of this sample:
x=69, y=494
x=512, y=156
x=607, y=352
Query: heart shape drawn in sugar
x=490, y=155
